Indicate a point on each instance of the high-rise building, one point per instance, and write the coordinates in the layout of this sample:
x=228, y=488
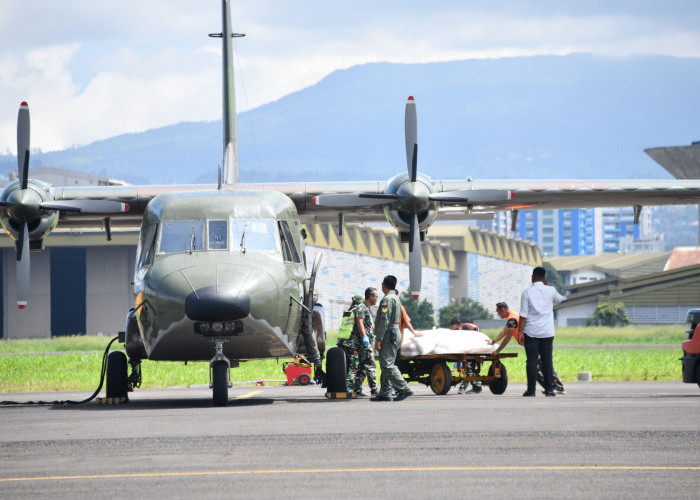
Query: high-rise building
x=581, y=231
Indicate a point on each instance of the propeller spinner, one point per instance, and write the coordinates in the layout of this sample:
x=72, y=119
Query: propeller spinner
x=26, y=203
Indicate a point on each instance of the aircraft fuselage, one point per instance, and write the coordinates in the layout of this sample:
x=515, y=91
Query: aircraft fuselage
x=225, y=264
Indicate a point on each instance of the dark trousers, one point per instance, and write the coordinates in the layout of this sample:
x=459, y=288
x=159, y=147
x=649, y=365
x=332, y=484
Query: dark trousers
x=539, y=349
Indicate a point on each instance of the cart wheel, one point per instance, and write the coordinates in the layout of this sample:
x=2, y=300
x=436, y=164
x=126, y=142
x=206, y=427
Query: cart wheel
x=697, y=374
x=440, y=378
x=498, y=385
x=304, y=379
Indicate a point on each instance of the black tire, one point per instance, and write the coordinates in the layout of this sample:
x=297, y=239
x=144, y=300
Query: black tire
x=117, y=376
x=498, y=386
x=335, y=370
x=219, y=375
x=440, y=378
x=697, y=373
x=304, y=379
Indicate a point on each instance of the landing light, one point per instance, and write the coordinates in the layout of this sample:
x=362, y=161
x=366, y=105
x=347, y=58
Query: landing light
x=218, y=328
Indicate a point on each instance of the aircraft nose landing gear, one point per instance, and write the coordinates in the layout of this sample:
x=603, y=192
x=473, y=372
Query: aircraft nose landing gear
x=219, y=374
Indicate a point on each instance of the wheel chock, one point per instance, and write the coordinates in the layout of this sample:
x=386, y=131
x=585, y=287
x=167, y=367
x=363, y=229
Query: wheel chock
x=341, y=395
x=112, y=401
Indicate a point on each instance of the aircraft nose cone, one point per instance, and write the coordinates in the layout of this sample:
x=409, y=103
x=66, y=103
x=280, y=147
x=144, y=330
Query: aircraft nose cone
x=214, y=303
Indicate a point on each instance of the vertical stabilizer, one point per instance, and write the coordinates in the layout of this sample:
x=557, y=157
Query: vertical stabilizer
x=230, y=146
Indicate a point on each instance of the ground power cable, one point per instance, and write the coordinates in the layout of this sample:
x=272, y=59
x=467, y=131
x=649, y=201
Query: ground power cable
x=67, y=402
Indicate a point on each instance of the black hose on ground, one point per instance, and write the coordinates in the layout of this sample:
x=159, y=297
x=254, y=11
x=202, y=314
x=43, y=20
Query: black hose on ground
x=103, y=371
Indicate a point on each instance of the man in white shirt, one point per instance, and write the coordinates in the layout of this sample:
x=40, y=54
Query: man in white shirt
x=536, y=329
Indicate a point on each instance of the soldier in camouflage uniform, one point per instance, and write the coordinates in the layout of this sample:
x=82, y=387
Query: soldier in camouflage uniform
x=387, y=341
x=361, y=360
x=351, y=346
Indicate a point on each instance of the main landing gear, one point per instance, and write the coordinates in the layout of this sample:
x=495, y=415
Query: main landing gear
x=119, y=384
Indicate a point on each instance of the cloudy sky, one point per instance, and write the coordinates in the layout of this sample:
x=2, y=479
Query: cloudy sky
x=92, y=70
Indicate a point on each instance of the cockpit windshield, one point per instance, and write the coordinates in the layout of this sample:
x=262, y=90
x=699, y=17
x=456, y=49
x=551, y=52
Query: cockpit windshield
x=244, y=235
x=182, y=236
x=254, y=234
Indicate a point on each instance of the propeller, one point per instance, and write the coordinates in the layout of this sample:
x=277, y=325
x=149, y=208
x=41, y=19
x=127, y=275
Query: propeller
x=411, y=127
x=415, y=270
x=413, y=198
x=25, y=206
x=22, y=245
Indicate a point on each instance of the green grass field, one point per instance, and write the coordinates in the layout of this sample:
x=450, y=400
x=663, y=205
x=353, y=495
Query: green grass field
x=77, y=370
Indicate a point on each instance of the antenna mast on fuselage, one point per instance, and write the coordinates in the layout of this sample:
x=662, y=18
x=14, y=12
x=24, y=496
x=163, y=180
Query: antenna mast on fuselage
x=228, y=118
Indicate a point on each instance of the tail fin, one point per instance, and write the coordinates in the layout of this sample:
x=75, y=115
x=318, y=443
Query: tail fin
x=230, y=140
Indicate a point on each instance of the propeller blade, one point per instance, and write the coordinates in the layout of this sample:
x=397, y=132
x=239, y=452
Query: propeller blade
x=414, y=258
x=472, y=196
x=411, y=121
x=346, y=200
x=23, y=266
x=86, y=206
x=23, y=144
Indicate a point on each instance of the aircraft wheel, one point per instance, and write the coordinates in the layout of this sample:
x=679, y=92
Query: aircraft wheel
x=335, y=370
x=117, y=376
x=498, y=386
x=440, y=378
x=219, y=374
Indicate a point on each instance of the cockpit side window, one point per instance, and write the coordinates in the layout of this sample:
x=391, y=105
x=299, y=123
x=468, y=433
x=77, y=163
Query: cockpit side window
x=218, y=235
x=289, y=249
x=182, y=236
x=253, y=234
x=147, y=245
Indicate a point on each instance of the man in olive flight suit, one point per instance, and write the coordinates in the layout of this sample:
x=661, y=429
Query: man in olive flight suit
x=387, y=340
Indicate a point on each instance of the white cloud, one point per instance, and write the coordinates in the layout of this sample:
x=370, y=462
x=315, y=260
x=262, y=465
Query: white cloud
x=91, y=70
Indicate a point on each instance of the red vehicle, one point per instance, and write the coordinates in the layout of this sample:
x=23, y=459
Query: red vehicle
x=691, y=349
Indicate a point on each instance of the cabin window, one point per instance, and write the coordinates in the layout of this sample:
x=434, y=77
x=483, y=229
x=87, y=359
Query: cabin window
x=218, y=235
x=147, y=245
x=182, y=236
x=253, y=234
x=289, y=249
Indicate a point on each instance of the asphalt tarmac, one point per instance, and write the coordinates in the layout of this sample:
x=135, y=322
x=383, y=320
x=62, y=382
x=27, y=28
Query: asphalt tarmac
x=600, y=440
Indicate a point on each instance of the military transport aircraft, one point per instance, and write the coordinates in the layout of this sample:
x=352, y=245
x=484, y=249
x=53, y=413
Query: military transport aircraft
x=221, y=271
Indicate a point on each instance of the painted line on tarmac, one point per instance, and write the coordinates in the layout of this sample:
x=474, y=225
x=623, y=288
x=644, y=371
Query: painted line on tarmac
x=248, y=394
x=364, y=469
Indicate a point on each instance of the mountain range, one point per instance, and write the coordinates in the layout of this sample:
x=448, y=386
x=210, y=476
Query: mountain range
x=574, y=116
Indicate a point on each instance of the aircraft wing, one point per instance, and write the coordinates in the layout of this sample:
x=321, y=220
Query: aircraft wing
x=483, y=196
x=477, y=197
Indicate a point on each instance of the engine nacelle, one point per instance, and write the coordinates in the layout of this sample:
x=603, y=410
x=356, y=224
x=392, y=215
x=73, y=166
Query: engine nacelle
x=416, y=201
x=39, y=221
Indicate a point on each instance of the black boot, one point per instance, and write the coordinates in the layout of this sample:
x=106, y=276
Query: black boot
x=319, y=374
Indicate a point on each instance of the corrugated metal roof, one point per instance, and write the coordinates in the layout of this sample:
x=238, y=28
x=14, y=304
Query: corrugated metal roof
x=675, y=287
x=621, y=265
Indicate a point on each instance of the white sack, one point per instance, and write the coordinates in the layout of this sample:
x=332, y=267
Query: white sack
x=446, y=341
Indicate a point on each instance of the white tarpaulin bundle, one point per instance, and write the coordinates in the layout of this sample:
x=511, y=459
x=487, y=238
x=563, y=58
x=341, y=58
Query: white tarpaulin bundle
x=445, y=341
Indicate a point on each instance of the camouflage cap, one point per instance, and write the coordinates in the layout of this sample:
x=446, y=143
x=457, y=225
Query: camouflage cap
x=356, y=299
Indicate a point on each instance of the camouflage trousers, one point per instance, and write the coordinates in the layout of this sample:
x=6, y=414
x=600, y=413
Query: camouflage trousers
x=470, y=371
x=360, y=361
